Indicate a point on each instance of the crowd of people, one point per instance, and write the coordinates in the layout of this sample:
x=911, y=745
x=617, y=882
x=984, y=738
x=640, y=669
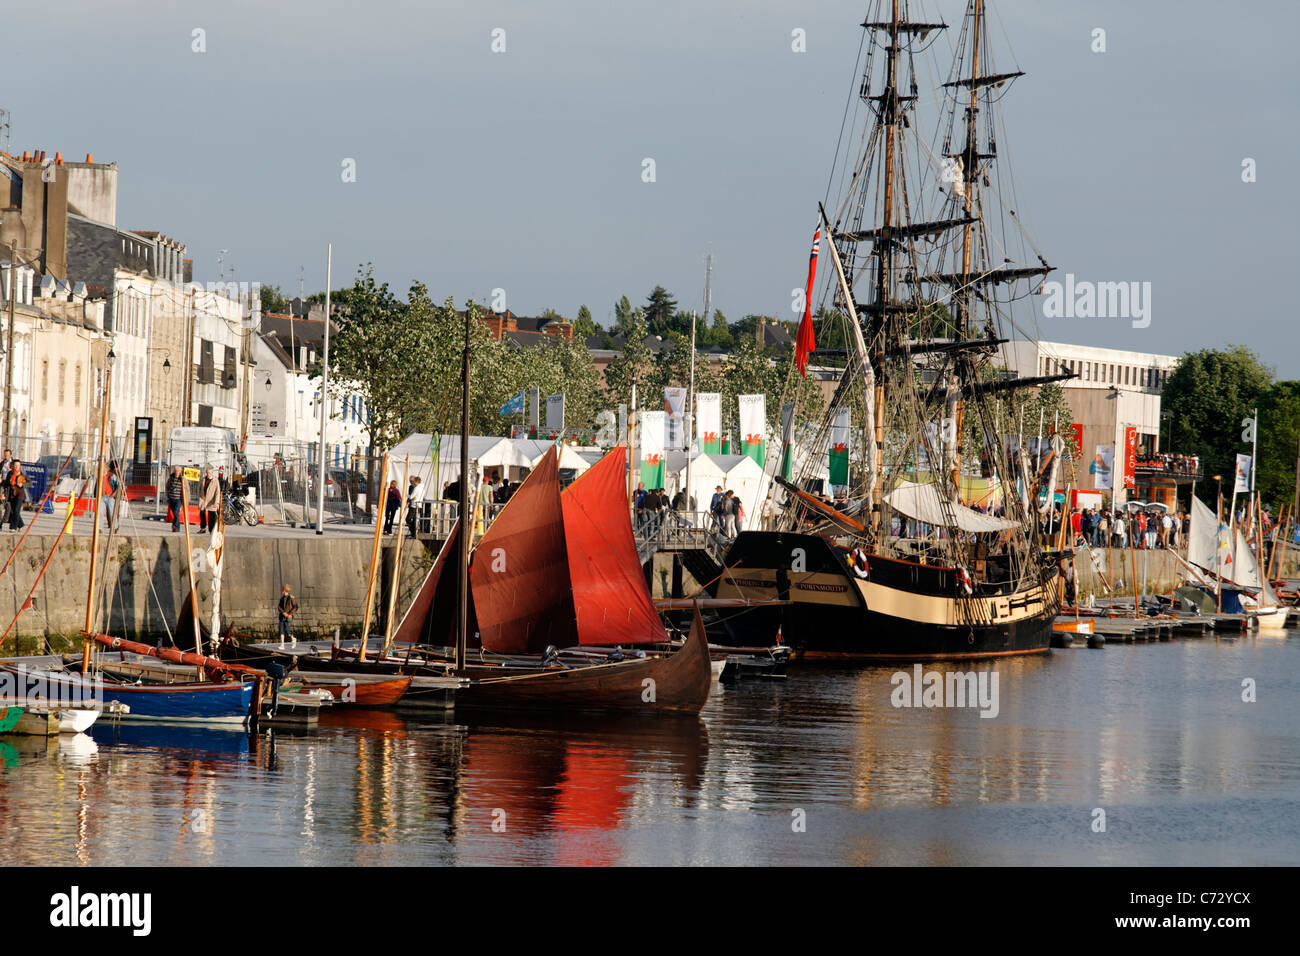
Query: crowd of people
x=1174, y=464
x=1142, y=528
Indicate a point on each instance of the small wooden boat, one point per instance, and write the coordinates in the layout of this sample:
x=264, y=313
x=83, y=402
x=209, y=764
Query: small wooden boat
x=47, y=722
x=358, y=690
x=678, y=682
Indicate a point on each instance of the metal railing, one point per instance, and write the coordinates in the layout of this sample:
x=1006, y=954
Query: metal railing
x=668, y=530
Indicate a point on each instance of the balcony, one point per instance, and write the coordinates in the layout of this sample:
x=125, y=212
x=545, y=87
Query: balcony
x=1167, y=466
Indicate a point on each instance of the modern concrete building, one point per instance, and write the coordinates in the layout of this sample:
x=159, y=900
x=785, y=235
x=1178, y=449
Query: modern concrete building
x=1115, y=390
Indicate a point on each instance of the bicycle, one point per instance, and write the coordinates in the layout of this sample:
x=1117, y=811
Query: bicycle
x=238, y=509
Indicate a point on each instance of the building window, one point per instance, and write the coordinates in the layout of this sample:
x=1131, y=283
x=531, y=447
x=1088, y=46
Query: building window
x=63, y=375
x=45, y=380
x=207, y=372
x=230, y=376
x=76, y=385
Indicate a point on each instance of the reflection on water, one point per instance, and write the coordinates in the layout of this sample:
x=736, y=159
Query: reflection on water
x=1157, y=735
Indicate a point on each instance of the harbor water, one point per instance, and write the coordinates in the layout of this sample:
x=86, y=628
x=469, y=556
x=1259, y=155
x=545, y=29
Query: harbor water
x=1133, y=754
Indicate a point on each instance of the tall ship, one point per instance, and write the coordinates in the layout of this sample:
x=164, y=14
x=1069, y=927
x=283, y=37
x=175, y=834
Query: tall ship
x=931, y=539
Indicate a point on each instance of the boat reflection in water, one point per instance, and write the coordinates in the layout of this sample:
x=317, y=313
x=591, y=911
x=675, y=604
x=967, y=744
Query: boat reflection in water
x=567, y=788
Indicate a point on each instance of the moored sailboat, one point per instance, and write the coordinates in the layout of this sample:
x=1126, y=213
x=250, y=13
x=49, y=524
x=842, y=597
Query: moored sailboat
x=901, y=566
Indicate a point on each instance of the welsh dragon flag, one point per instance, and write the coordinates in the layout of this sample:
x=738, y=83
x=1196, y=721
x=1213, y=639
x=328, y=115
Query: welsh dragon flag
x=805, y=342
x=708, y=417
x=753, y=425
x=653, y=425
x=839, y=463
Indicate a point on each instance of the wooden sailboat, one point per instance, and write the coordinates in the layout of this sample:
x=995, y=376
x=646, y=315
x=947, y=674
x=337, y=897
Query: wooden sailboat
x=1223, y=562
x=561, y=570
x=555, y=571
x=906, y=569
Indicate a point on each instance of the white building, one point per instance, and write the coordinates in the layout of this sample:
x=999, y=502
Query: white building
x=284, y=409
x=1115, y=390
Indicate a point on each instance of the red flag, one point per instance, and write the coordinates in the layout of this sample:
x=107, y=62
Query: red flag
x=806, y=342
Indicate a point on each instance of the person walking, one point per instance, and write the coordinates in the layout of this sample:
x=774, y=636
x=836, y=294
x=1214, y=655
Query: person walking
x=414, y=501
x=175, y=495
x=6, y=468
x=728, y=506
x=209, y=501
x=392, y=505
x=288, y=607
x=112, y=482
x=17, y=495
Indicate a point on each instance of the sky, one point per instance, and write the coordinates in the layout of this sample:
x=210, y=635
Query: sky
x=522, y=170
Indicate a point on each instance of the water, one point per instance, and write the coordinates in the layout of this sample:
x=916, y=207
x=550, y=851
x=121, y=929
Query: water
x=1155, y=735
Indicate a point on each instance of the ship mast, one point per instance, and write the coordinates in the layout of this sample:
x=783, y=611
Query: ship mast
x=885, y=267
x=970, y=173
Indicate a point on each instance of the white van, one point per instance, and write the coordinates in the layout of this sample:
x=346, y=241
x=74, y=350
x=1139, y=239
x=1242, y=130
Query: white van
x=202, y=447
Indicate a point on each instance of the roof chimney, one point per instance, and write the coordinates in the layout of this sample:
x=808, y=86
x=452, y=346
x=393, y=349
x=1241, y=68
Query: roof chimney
x=58, y=159
x=90, y=157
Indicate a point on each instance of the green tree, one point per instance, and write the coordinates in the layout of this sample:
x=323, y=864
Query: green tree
x=382, y=349
x=1208, y=395
x=661, y=315
x=633, y=366
x=718, y=333
x=1279, y=438
x=273, y=300
x=584, y=326
x=623, y=316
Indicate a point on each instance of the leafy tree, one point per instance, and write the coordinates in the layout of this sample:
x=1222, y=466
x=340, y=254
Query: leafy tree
x=273, y=301
x=382, y=349
x=623, y=316
x=634, y=365
x=1279, y=438
x=661, y=315
x=719, y=333
x=1208, y=395
x=583, y=326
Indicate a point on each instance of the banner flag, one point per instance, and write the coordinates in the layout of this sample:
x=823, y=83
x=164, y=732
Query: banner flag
x=753, y=426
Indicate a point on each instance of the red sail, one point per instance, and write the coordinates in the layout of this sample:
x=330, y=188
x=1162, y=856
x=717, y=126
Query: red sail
x=610, y=595
x=431, y=618
x=520, y=575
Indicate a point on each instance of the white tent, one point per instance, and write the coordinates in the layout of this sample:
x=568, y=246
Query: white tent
x=507, y=457
x=738, y=473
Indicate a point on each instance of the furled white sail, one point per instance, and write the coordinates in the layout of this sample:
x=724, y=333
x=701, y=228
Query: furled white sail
x=922, y=502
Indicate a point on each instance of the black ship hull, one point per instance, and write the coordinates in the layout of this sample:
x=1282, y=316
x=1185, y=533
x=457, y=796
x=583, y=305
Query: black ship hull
x=888, y=611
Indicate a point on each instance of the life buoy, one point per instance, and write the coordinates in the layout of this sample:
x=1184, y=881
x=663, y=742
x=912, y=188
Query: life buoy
x=858, y=561
x=963, y=578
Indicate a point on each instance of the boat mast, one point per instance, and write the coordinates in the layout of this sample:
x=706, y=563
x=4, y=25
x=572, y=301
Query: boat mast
x=374, y=555
x=462, y=603
x=884, y=267
x=397, y=563
x=969, y=174
x=99, y=495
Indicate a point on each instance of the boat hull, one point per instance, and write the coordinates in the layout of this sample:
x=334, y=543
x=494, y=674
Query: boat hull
x=199, y=703
x=897, y=611
x=678, y=682
x=359, y=693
